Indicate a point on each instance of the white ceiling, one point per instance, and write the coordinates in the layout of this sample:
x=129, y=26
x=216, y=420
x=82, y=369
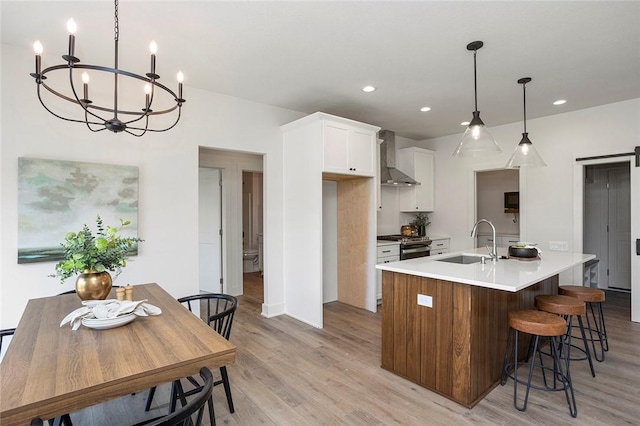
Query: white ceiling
x=316, y=56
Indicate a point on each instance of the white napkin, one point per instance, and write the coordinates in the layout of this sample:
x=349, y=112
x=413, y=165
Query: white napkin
x=110, y=308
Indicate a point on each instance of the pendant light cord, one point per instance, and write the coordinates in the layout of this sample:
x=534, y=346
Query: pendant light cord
x=475, y=81
x=524, y=98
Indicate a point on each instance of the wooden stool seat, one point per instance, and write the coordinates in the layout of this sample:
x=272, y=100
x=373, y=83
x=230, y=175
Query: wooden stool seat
x=586, y=294
x=537, y=322
x=561, y=305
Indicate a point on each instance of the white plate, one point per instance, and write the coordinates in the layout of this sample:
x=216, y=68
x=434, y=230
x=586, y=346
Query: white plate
x=106, y=323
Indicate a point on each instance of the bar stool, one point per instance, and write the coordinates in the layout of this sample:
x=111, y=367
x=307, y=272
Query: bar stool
x=538, y=324
x=591, y=296
x=567, y=307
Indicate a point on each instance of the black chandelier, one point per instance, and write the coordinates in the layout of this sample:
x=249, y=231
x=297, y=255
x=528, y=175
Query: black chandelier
x=134, y=122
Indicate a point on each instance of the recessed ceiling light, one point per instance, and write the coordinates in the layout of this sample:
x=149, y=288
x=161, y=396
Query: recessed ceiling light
x=425, y=109
x=368, y=89
x=560, y=102
x=464, y=123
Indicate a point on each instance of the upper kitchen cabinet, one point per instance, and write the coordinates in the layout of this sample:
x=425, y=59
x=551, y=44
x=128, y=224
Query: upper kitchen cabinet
x=348, y=149
x=419, y=164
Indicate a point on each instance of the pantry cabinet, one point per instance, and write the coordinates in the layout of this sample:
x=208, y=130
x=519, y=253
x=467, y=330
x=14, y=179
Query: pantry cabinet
x=316, y=148
x=348, y=149
x=419, y=164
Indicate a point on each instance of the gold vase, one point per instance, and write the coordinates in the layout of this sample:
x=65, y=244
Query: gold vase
x=93, y=285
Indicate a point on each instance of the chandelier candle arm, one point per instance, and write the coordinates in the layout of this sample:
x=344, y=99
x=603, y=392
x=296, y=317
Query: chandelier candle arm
x=97, y=109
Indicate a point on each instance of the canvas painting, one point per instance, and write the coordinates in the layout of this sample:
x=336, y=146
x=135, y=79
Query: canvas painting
x=56, y=197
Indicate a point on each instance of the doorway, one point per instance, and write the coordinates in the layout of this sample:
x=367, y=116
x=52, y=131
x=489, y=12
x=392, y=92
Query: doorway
x=607, y=222
x=491, y=185
x=232, y=165
x=252, y=231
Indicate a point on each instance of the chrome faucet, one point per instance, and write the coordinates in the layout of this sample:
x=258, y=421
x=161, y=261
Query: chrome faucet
x=493, y=253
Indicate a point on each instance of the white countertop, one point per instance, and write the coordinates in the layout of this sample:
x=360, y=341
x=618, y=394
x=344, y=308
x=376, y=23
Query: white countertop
x=506, y=274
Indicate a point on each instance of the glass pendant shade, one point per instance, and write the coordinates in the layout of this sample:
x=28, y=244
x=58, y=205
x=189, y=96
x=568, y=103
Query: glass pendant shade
x=476, y=141
x=525, y=155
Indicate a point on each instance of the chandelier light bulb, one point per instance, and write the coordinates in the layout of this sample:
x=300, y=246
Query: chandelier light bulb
x=153, y=47
x=37, y=47
x=85, y=78
x=180, y=76
x=72, y=27
x=147, y=88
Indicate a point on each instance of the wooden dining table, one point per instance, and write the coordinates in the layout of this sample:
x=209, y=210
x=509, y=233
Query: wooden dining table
x=49, y=371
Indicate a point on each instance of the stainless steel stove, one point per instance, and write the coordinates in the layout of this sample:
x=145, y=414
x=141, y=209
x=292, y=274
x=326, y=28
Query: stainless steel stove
x=410, y=247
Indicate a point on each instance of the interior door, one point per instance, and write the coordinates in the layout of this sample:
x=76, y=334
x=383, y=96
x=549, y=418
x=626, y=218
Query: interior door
x=210, y=230
x=635, y=239
x=619, y=234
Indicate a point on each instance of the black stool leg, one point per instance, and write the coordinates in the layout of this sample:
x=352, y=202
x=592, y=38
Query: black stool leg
x=507, y=359
x=586, y=345
x=515, y=381
x=598, y=332
x=566, y=377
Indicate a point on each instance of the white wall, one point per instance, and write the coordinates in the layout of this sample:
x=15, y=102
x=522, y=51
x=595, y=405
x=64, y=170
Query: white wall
x=168, y=189
x=546, y=194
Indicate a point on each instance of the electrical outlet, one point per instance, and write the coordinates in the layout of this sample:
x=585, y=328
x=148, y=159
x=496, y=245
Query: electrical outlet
x=424, y=300
x=558, y=245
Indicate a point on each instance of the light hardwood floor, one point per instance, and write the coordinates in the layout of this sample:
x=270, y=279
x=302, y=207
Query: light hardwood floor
x=289, y=373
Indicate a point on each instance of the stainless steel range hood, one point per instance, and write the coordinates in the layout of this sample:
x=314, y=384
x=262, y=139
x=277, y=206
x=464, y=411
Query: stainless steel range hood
x=389, y=175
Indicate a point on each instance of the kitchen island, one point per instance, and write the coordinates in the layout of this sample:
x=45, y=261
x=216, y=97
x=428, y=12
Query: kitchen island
x=444, y=325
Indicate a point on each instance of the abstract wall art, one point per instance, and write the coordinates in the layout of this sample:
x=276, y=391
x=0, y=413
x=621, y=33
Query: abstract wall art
x=55, y=197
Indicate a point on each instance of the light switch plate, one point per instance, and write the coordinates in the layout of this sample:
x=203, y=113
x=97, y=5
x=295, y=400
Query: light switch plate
x=559, y=245
x=424, y=300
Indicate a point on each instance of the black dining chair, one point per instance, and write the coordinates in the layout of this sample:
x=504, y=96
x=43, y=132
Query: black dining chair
x=184, y=415
x=217, y=310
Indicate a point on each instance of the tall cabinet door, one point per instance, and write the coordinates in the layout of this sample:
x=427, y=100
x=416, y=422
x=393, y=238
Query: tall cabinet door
x=419, y=164
x=362, y=152
x=336, y=148
x=424, y=175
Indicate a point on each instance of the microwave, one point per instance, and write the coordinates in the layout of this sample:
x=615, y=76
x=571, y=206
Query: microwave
x=512, y=200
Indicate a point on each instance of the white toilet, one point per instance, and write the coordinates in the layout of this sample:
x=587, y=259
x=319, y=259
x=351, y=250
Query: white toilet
x=250, y=261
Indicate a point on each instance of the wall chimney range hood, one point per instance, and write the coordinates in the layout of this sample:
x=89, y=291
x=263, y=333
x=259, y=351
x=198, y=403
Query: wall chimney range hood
x=389, y=175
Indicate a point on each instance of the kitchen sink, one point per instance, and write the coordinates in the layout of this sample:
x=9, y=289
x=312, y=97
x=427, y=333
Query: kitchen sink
x=462, y=259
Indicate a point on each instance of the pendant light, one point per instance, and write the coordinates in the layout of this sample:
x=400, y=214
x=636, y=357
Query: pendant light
x=525, y=154
x=476, y=140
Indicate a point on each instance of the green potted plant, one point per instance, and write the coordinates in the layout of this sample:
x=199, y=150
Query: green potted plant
x=92, y=256
x=421, y=222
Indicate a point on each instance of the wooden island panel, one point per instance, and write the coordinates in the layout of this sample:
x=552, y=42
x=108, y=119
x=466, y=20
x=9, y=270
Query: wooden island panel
x=455, y=347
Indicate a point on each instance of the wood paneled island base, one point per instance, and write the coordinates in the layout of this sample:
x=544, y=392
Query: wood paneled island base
x=455, y=347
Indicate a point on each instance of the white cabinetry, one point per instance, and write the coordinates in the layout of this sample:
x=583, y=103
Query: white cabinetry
x=419, y=164
x=501, y=240
x=386, y=253
x=348, y=149
x=439, y=245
